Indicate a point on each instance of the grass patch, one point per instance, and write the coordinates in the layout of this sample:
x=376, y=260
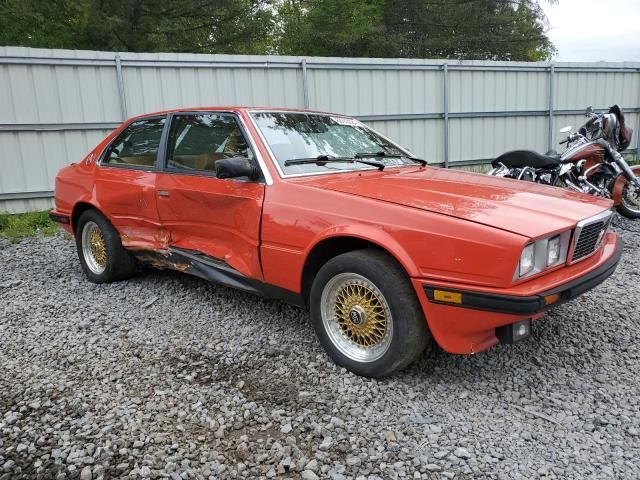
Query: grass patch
x=22, y=225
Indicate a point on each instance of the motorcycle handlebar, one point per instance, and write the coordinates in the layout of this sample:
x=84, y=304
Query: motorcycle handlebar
x=571, y=138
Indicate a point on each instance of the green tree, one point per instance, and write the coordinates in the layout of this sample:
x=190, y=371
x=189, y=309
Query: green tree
x=461, y=29
x=198, y=26
x=46, y=24
x=332, y=28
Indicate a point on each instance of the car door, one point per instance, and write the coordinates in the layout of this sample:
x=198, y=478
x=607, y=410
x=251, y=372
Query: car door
x=125, y=182
x=218, y=218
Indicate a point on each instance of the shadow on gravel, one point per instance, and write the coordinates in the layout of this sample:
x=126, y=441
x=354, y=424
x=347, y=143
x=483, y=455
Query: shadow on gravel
x=528, y=359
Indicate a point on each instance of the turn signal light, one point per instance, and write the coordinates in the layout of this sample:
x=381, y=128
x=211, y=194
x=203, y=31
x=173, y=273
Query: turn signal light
x=551, y=299
x=449, y=297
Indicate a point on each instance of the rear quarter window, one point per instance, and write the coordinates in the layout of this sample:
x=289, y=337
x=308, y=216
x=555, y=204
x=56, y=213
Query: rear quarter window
x=137, y=145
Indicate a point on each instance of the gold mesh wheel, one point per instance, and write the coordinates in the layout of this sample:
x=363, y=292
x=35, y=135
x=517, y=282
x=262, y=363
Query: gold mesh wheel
x=361, y=314
x=94, y=248
x=356, y=317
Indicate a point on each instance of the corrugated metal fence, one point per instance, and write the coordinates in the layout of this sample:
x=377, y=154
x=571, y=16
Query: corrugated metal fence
x=55, y=105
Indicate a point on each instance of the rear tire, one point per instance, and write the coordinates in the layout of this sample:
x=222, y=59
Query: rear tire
x=366, y=314
x=101, y=254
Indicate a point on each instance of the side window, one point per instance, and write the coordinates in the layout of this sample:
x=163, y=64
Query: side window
x=137, y=145
x=197, y=142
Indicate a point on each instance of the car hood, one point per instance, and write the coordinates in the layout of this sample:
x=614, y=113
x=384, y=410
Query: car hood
x=520, y=207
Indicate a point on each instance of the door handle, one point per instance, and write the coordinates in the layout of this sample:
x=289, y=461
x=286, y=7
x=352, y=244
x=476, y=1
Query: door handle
x=163, y=193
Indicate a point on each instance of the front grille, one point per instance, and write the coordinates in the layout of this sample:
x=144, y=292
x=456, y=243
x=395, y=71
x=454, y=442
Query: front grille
x=588, y=238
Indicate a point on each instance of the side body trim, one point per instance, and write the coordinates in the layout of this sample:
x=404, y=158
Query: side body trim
x=59, y=218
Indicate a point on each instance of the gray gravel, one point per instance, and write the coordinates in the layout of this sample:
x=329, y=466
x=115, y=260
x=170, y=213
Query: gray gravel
x=167, y=376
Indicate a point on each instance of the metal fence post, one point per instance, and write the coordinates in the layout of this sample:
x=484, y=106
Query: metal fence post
x=445, y=103
x=637, y=132
x=305, y=84
x=121, y=92
x=551, y=95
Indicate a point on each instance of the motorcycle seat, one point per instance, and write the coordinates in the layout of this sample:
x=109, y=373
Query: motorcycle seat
x=526, y=158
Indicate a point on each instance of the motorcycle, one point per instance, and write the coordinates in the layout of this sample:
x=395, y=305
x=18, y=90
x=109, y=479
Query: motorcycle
x=592, y=162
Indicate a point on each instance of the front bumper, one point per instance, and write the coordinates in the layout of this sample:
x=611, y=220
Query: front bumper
x=464, y=320
x=531, y=305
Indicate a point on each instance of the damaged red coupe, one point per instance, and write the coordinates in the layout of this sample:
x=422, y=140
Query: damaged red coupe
x=317, y=209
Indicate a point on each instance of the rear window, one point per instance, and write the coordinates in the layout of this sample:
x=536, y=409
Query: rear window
x=137, y=145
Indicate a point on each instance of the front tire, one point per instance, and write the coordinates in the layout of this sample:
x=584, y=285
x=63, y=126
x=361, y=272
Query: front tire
x=102, y=256
x=366, y=314
x=630, y=202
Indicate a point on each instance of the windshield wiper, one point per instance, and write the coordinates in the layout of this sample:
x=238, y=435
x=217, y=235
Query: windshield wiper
x=422, y=162
x=322, y=159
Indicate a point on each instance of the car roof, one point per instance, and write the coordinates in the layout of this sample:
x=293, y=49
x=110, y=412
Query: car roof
x=230, y=109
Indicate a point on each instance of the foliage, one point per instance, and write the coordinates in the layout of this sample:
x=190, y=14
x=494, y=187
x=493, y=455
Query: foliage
x=197, y=26
x=43, y=23
x=332, y=28
x=459, y=29
x=17, y=226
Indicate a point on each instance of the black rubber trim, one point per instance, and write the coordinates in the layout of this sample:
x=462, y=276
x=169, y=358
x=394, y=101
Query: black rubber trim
x=59, y=218
x=490, y=302
x=218, y=271
x=532, y=304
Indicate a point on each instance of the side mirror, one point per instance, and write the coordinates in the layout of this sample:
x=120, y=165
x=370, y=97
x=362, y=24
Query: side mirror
x=237, y=167
x=566, y=129
x=588, y=111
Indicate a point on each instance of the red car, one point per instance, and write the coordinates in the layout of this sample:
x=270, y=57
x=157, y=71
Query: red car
x=321, y=211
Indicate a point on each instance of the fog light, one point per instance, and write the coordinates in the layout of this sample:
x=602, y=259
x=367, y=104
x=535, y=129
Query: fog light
x=515, y=332
x=520, y=330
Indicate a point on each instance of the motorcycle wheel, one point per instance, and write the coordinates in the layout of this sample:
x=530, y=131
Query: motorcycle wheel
x=630, y=202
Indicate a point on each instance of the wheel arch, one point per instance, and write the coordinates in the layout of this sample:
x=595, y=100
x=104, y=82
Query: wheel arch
x=78, y=209
x=331, y=246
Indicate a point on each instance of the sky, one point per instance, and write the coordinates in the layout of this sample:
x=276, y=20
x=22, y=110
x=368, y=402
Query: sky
x=595, y=30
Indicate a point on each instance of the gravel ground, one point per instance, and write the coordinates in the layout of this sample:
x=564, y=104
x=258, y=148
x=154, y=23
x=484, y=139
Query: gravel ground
x=167, y=376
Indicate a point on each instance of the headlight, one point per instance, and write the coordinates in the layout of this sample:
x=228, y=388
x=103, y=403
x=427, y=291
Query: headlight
x=542, y=254
x=553, y=251
x=527, y=259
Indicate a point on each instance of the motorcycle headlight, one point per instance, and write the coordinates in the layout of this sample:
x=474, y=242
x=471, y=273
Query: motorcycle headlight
x=542, y=254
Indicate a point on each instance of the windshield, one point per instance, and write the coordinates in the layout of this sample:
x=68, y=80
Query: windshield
x=295, y=136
